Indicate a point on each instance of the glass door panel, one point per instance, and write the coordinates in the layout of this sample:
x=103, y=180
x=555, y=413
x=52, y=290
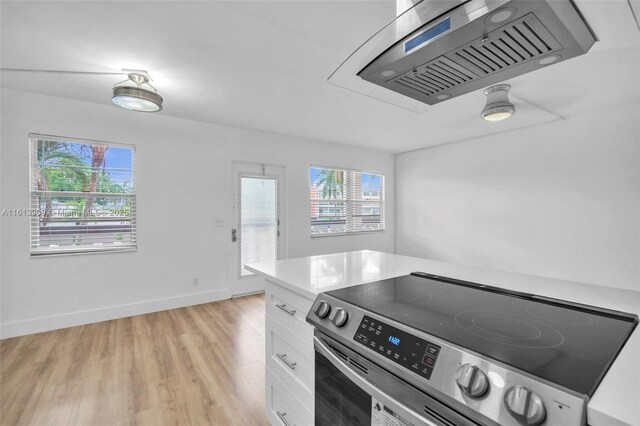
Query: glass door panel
x=258, y=221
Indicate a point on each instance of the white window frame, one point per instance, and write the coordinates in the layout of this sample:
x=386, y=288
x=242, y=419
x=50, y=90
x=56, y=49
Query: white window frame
x=34, y=194
x=349, y=202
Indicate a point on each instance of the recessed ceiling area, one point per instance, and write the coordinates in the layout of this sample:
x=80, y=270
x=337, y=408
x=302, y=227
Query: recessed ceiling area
x=264, y=65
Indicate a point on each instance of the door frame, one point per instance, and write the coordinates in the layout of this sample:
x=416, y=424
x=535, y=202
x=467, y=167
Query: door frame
x=248, y=284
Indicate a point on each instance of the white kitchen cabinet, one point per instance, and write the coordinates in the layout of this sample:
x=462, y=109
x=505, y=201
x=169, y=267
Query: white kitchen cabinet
x=290, y=357
x=281, y=406
x=289, y=308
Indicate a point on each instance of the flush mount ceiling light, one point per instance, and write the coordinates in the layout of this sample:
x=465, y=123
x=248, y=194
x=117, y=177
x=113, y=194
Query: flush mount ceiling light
x=137, y=98
x=498, y=106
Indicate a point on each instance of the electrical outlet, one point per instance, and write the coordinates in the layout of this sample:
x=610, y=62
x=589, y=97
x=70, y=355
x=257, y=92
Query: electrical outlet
x=218, y=221
x=196, y=283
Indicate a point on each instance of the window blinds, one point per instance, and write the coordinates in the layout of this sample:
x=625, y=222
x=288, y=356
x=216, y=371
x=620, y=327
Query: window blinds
x=83, y=196
x=258, y=221
x=345, y=201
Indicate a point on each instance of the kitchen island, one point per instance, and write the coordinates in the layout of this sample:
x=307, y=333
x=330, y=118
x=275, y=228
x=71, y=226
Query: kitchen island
x=293, y=284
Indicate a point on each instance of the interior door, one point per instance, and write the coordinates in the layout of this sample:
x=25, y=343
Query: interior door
x=257, y=231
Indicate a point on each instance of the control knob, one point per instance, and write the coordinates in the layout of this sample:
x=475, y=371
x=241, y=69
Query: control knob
x=323, y=309
x=472, y=381
x=340, y=318
x=524, y=405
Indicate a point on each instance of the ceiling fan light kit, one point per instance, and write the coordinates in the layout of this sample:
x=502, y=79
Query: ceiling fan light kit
x=137, y=98
x=498, y=106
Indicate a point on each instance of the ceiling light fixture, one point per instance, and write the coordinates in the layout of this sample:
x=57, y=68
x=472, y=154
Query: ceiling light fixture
x=498, y=106
x=137, y=98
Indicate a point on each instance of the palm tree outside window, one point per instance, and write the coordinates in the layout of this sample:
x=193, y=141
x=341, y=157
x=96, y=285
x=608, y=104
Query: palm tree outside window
x=345, y=201
x=83, y=196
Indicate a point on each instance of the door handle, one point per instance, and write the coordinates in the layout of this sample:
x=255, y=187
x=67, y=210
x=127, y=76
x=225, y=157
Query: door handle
x=234, y=235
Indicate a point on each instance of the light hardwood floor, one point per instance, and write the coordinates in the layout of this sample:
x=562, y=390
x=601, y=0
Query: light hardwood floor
x=201, y=365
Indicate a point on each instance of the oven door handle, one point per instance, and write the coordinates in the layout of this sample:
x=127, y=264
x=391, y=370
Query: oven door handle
x=367, y=386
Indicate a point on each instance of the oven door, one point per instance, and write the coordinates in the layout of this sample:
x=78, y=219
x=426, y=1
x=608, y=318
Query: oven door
x=350, y=390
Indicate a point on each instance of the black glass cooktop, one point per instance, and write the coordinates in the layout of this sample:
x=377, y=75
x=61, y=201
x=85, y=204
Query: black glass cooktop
x=567, y=344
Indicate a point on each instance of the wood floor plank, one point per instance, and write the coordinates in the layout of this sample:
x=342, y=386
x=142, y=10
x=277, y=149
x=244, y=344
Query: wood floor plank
x=199, y=365
x=58, y=404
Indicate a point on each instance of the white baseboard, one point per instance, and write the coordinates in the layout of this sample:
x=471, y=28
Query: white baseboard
x=54, y=322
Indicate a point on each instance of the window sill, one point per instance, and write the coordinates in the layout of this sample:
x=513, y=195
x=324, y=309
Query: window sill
x=73, y=252
x=342, y=234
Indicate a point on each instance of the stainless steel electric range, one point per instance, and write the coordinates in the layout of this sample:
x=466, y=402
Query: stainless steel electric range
x=429, y=350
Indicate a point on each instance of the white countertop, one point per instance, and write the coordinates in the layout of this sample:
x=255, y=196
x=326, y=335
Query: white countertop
x=617, y=399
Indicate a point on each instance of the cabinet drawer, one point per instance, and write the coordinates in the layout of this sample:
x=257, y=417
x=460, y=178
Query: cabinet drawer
x=282, y=407
x=289, y=308
x=291, y=359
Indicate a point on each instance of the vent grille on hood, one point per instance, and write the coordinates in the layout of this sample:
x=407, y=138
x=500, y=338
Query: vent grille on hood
x=501, y=49
x=446, y=53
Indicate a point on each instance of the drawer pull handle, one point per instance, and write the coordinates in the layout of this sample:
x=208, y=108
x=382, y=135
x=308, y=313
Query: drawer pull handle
x=283, y=307
x=283, y=358
x=282, y=418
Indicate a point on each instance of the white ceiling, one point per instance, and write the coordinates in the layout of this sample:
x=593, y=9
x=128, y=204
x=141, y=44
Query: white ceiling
x=263, y=65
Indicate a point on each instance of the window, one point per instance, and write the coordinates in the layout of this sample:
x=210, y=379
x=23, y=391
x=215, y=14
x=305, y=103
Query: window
x=345, y=201
x=83, y=197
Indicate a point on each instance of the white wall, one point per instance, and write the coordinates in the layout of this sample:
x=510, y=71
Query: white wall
x=179, y=163
x=560, y=200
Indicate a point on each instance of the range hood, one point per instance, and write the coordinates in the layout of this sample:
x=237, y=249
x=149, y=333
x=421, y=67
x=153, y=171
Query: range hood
x=440, y=49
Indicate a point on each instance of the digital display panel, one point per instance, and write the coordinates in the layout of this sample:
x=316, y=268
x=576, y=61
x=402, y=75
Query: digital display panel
x=403, y=348
x=424, y=37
